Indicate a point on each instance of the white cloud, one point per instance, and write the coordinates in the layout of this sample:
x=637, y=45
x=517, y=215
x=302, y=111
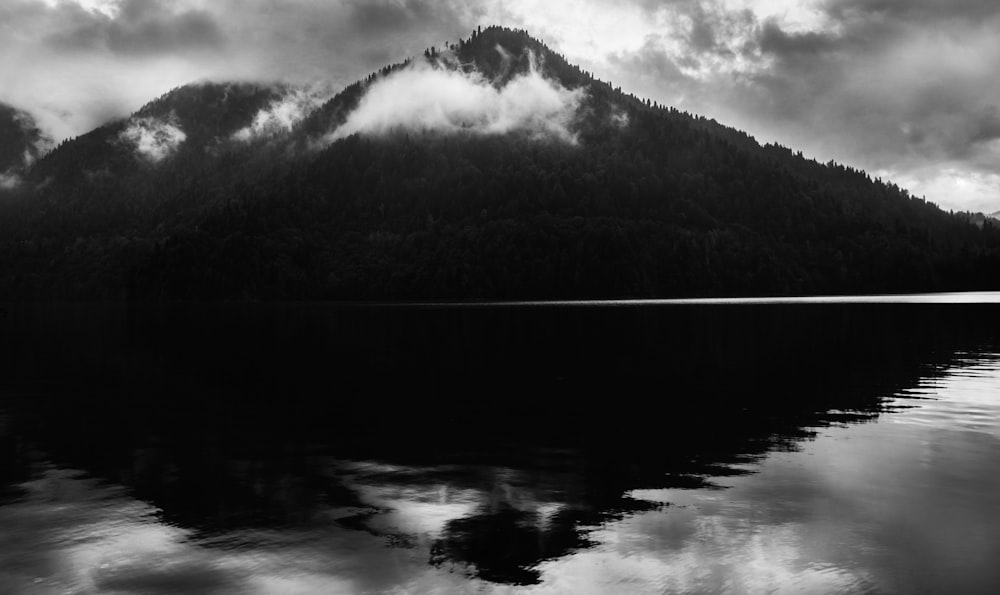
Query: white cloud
x=153, y=138
x=108, y=8
x=426, y=98
x=951, y=187
x=283, y=114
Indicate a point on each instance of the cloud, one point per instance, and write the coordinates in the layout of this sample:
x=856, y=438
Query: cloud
x=138, y=28
x=9, y=180
x=284, y=113
x=927, y=11
x=154, y=139
x=775, y=41
x=427, y=98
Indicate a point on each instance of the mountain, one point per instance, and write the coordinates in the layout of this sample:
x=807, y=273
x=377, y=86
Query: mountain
x=491, y=168
x=994, y=215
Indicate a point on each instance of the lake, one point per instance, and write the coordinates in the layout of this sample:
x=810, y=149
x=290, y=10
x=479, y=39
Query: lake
x=816, y=445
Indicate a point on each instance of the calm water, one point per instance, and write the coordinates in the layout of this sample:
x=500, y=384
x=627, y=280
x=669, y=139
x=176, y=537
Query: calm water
x=829, y=446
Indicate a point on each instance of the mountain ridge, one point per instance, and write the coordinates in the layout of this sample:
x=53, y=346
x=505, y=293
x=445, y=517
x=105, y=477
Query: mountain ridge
x=647, y=201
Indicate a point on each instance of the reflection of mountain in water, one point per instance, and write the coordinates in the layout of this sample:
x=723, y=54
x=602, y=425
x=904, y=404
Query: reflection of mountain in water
x=528, y=426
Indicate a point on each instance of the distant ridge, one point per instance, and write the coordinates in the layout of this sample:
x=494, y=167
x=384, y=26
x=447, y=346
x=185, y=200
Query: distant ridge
x=528, y=179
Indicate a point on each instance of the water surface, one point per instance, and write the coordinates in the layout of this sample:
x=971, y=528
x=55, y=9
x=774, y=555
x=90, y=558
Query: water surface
x=650, y=448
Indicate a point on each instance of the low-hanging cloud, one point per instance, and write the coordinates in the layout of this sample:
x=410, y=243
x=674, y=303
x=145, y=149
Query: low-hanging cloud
x=154, y=139
x=21, y=144
x=281, y=115
x=9, y=180
x=423, y=97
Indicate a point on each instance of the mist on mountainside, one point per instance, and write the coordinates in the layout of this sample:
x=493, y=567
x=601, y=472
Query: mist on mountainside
x=284, y=113
x=21, y=144
x=426, y=97
x=153, y=138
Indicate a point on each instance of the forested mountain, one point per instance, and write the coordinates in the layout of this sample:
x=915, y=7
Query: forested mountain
x=511, y=174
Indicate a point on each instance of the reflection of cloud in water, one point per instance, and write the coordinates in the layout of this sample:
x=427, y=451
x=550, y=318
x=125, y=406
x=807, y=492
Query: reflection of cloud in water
x=85, y=536
x=413, y=512
x=73, y=534
x=822, y=519
x=404, y=498
x=971, y=403
x=682, y=552
x=887, y=507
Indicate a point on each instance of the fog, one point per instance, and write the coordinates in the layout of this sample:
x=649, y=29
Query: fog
x=9, y=180
x=283, y=114
x=424, y=97
x=153, y=138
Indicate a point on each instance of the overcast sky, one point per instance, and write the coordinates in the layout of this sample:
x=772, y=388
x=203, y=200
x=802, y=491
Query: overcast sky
x=906, y=89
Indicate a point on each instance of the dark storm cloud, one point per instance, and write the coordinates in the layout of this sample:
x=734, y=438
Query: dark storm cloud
x=338, y=40
x=774, y=40
x=185, y=32
x=933, y=11
x=707, y=29
x=652, y=62
x=141, y=27
x=385, y=15
x=987, y=126
x=717, y=31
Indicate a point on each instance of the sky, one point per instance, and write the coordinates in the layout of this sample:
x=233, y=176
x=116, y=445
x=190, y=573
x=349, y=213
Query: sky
x=905, y=89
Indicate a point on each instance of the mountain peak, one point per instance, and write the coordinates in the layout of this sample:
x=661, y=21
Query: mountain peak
x=496, y=81
x=501, y=53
